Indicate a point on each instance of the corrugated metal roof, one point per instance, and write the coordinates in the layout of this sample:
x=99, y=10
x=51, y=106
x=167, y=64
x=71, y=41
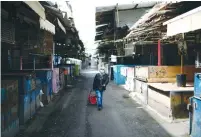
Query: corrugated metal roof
x=148, y=14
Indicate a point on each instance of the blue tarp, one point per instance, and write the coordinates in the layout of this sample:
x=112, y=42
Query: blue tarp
x=119, y=79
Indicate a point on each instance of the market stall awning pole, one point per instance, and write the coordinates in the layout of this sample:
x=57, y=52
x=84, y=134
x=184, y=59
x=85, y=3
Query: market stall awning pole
x=20, y=62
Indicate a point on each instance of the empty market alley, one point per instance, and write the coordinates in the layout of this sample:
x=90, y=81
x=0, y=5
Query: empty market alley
x=73, y=117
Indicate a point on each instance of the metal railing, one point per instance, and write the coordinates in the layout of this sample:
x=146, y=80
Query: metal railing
x=30, y=63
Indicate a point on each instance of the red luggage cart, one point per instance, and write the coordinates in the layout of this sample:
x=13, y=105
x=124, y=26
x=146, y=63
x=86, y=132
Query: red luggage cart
x=92, y=97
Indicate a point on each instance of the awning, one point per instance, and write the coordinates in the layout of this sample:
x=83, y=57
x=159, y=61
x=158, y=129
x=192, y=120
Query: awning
x=46, y=25
x=61, y=26
x=186, y=22
x=37, y=7
x=58, y=14
x=102, y=25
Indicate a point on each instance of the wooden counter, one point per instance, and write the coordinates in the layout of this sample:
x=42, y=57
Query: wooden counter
x=170, y=100
x=167, y=87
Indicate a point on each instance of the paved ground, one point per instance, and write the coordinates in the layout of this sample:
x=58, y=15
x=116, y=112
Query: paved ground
x=120, y=117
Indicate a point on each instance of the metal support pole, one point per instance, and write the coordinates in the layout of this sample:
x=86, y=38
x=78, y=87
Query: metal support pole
x=21, y=62
x=52, y=56
x=182, y=64
x=34, y=63
x=159, y=53
x=182, y=58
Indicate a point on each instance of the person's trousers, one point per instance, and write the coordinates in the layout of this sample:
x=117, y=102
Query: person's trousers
x=99, y=96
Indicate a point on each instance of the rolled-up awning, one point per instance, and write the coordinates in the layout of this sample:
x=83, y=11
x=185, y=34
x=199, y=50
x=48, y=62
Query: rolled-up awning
x=46, y=25
x=184, y=23
x=61, y=26
x=36, y=7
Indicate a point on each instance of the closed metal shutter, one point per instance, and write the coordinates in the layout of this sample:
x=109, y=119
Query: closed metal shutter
x=7, y=32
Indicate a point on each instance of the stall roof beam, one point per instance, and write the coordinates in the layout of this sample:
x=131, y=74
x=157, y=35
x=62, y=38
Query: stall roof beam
x=186, y=22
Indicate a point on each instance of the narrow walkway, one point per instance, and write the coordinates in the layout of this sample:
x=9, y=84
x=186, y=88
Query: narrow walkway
x=120, y=117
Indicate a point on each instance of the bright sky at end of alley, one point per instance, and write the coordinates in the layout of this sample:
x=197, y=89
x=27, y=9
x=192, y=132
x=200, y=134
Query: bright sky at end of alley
x=84, y=17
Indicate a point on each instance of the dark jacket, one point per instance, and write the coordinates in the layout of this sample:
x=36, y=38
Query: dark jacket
x=99, y=81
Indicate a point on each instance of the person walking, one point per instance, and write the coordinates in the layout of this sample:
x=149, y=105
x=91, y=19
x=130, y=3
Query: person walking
x=100, y=82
